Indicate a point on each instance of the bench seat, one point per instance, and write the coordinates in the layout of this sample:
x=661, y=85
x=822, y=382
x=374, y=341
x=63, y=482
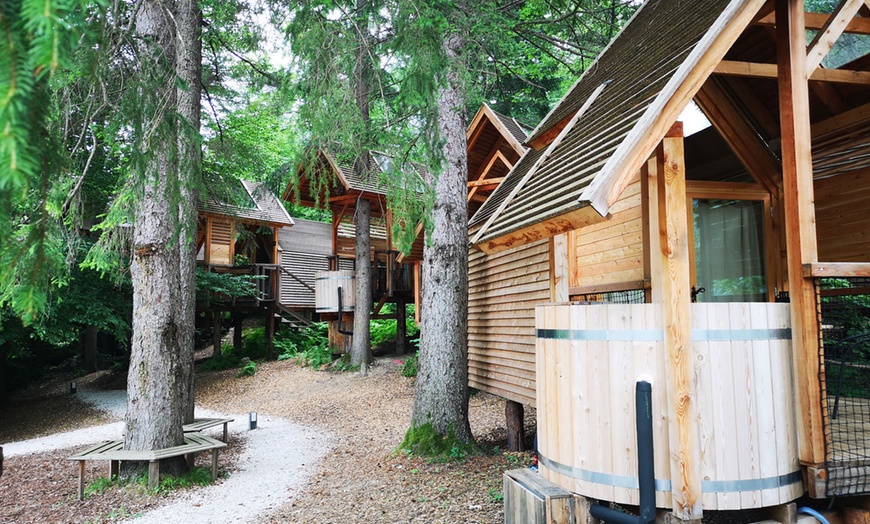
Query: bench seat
x=114, y=452
x=200, y=424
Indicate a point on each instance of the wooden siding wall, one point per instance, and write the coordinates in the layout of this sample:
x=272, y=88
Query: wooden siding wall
x=843, y=217
x=610, y=252
x=220, y=243
x=305, y=248
x=504, y=289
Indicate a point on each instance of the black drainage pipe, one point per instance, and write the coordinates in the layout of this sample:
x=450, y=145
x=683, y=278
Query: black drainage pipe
x=645, y=464
x=340, y=315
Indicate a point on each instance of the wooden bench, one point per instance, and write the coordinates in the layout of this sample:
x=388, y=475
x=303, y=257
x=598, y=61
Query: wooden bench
x=113, y=452
x=200, y=424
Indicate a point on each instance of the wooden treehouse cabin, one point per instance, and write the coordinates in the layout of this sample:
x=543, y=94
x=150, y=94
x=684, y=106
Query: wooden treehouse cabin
x=239, y=234
x=324, y=182
x=731, y=267
x=504, y=287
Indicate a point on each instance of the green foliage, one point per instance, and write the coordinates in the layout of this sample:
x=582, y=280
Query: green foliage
x=495, y=495
x=343, y=364
x=310, y=345
x=247, y=370
x=410, y=366
x=99, y=485
x=214, y=287
x=425, y=441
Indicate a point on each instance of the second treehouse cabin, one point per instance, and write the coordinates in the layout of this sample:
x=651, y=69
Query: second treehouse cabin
x=730, y=267
x=323, y=181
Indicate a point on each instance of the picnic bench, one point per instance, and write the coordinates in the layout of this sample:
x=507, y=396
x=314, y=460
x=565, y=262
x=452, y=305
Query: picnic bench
x=200, y=424
x=114, y=452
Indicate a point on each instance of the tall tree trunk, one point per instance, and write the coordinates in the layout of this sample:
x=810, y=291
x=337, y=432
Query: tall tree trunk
x=361, y=348
x=189, y=71
x=155, y=408
x=441, y=395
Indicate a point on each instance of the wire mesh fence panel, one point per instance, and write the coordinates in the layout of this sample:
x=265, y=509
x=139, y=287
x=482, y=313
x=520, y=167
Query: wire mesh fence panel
x=629, y=296
x=844, y=335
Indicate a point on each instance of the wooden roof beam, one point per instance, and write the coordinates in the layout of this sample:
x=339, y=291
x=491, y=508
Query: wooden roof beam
x=830, y=33
x=816, y=21
x=487, y=182
x=743, y=140
x=853, y=117
x=760, y=70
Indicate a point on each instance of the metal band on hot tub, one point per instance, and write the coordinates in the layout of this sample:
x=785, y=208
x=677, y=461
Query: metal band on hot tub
x=664, y=485
x=655, y=335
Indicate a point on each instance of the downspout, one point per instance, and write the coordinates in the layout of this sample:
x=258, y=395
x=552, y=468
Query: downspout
x=645, y=463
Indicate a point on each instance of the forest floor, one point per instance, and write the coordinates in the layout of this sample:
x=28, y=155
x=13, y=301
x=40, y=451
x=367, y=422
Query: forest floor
x=358, y=422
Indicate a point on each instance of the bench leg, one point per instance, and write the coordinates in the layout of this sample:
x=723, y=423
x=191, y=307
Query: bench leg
x=81, y=492
x=190, y=458
x=113, y=469
x=225, y=432
x=214, y=457
x=153, y=474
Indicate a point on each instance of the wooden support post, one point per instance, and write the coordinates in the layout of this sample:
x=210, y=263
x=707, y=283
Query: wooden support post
x=801, y=243
x=559, y=268
x=237, y=332
x=270, y=332
x=81, y=490
x=650, y=174
x=674, y=256
x=401, y=327
x=516, y=435
x=153, y=474
x=216, y=332
x=214, y=464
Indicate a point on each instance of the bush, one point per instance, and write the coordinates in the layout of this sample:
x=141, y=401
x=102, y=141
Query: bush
x=409, y=366
x=247, y=370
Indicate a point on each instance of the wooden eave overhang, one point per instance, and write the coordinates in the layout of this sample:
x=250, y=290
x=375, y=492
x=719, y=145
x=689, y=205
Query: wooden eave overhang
x=622, y=107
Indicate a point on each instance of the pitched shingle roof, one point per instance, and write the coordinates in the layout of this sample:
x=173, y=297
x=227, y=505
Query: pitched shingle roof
x=257, y=202
x=624, y=91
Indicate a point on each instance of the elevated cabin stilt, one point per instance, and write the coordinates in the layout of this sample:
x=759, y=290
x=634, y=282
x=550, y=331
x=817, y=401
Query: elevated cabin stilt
x=731, y=265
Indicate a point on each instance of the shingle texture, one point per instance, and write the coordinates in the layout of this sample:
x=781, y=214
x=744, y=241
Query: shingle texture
x=636, y=67
x=258, y=204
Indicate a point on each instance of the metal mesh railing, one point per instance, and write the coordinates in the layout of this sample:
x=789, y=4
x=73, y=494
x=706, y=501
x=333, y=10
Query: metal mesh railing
x=844, y=335
x=629, y=296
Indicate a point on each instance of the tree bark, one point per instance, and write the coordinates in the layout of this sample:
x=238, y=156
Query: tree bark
x=361, y=348
x=189, y=70
x=89, y=353
x=237, y=332
x=441, y=395
x=157, y=376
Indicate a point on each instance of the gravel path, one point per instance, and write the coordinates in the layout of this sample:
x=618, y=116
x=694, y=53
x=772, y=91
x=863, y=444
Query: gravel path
x=270, y=470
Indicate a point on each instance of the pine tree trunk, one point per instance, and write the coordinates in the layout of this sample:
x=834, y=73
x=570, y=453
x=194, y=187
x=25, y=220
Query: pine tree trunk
x=157, y=375
x=441, y=395
x=361, y=348
x=188, y=70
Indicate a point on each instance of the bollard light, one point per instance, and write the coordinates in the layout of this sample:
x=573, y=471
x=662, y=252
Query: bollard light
x=252, y=420
x=72, y=388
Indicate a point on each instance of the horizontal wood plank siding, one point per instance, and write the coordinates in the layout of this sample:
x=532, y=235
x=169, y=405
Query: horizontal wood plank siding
x=504, y=289
x=610, y=252
x=843, y=217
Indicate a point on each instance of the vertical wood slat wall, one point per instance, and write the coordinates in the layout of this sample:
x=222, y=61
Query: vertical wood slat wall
x=504, y=289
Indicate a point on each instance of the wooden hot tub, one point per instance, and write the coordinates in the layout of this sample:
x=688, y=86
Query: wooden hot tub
x=588, y=360
x=326, y=284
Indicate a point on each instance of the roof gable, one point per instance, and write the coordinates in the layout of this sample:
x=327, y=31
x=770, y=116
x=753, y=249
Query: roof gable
x=633, y=93
x=257, y=203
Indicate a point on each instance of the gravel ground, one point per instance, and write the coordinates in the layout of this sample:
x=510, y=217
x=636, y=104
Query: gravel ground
x=324, y=452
